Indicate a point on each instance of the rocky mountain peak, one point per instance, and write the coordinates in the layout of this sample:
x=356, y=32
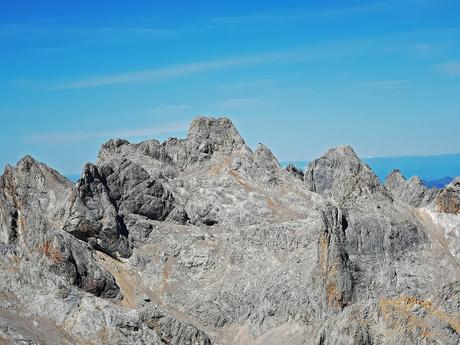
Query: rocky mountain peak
x=28, y=165
x=27, y=161
x=412, y=191
x=340, y=174
x=113, y=144
x=344, y=151
x=348, y=183
x=203, y=241
x=395, y=178
x=209, y=134
x=416, y=180
x=263, y=153
x=31, y=182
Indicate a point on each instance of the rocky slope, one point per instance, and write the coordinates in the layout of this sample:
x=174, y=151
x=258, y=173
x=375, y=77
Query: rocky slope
x=204, y=241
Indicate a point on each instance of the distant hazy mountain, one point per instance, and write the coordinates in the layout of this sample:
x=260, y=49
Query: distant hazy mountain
x=73, y=178
x=438, y=183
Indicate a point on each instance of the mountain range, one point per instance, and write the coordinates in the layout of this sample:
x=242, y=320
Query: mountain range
x=204, y=241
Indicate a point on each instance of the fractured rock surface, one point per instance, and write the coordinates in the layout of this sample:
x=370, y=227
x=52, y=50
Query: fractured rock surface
x=448, y=200
x=204, y=241
x=411, y=191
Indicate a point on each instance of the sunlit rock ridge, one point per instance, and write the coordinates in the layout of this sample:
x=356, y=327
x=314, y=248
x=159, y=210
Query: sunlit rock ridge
x=203, y=240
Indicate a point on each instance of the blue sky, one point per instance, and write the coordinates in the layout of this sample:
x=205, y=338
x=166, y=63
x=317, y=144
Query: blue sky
x=299, y=76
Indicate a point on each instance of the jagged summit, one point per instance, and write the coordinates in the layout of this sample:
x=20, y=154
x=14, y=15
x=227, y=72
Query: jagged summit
x=28, y=163
x=29, y=181
x=203, y=241
x=264, y=153
x=412, y=191
x=342, y=175
x=342, y=150
x=397, y=174
x=112, y=144
x=208, y=134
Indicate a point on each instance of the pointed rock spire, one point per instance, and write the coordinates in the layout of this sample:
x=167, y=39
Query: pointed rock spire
x=341, y=174
x=412, y=191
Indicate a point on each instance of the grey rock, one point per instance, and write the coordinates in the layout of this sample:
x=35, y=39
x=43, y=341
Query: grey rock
x=92, y=215
x=204, y=241
x=340, y=175
x=35, y=197
x=448, y=200
x=292, y=169
x=208, y=135
x=412, y=191
x=135, y=191
x=373, y=223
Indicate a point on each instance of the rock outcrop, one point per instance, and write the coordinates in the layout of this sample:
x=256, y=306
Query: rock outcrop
x=204, y=241
x=33, y=205
x=92, y=215
x=448, y=200
x=295, y=171
x=412, y=191
x=373, y=223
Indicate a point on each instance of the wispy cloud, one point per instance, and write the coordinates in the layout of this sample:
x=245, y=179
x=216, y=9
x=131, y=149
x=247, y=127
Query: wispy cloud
x=451, y=68
x=316, y=10
x=424, y=47
x=402, y=84
x=168, y=109
x=247, y=84
x=240, y=102
x=384, y=84
x=69, y=137
x=337, y=48
x=83, y=29
x=169, y=72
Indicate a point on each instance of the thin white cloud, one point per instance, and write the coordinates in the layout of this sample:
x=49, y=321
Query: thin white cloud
x=177, y=70
x=168, y=109
x=240, y=102
x=247, y=84
x=46, y=29
x=384, y=84
x=424, y=47
x=338, y=48
x=451, y=68
x=69, y=137
x=402, y=84
x=315, y=10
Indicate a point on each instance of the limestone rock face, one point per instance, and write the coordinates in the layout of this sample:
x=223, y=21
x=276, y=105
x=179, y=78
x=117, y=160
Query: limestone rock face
x=441, y=206
x=412, y=191
x=208, y=135
x=374, y=224
x=92, y=214
x=343, y=177
x=33, y=200
x=204, y=241
x=448, y=200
